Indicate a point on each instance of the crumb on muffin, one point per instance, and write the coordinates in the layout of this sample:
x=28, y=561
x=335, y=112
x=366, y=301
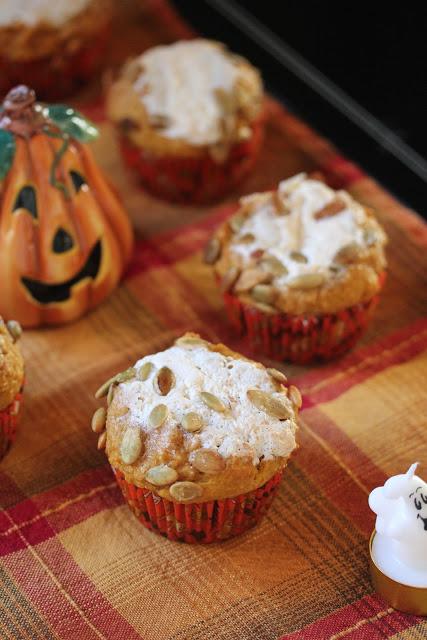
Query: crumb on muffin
x=11, y=363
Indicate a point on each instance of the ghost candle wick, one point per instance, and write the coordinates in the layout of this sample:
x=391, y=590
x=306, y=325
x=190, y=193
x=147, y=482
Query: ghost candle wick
x=398, y=546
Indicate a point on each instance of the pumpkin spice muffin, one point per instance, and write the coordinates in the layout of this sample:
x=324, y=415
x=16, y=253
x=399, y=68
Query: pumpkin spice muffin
x=300, y=269
x=190, y=118
x=54, y=45
x=11, y=382
x=198, y=438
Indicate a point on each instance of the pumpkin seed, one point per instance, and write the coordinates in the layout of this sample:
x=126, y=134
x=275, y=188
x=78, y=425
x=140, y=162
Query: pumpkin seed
x=369, y=237
x=103, y=389
x=185, y=491
x=297, y=256
x=212, y=251
x=273, y=265
x=192, y=422
x=208, y=461
x=280, y=207
x=330, y=209
x=246, y=238
x=265, y=308
x=14, y=329
x=102, y=441
x=236, y=222
x=126, y=375
x=277, y=375
x=191, y=341
x=347, y=254
x=131, y=446
x=164, y=381
x=122, y=412
x=158, y=416
x=275, y=407
x=212, y=401
x=161, y=475
x=264, y=293
x=98, y=420
x=295, y=396
x=307, y=281
x=229, y=279
x=249, y=278
x=145, y=371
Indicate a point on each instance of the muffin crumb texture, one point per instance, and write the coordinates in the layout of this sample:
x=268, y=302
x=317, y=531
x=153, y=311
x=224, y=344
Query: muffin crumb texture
x=11, y=363
x=199, y=422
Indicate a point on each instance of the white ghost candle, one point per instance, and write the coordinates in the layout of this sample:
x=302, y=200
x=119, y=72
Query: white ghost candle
x=399, y=543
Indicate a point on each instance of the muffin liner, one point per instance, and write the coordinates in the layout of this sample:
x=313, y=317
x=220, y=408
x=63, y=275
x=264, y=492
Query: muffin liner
x=198, y=523
x=300, y=338
x=190, y=180
x=59, y=75
x=8, y=423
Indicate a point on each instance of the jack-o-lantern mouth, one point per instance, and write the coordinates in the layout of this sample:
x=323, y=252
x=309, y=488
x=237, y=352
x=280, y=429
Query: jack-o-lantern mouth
x=48, y=293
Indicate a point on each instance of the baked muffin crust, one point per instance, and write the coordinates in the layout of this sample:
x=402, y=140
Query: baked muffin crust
x=201, y=415
x=186, y=98
x=11, y=363
x=303, y=248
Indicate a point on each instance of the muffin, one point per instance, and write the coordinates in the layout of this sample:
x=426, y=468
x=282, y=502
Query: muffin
x=190, y=119
x=198, y=437
x=300, y=269
x=53, y=46
x=11, y=382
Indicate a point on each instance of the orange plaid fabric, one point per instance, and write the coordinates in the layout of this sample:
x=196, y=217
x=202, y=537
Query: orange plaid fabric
x=76, y=564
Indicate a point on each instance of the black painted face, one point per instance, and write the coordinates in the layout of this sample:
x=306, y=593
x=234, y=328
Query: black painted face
x=420, y=503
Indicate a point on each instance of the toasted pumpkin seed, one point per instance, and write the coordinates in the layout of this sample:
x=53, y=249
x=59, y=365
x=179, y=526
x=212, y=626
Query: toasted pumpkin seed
x=208, y=461
x=228, y=279
x=190, y=341
x=192, y=422
x=247, y=238
x=161, y=475
x=103, y=389
x=110, y=394
x=273, y=265
x=98, y=420
x=236, y=222
x=295, y=396
x=126, y=375
x=122, y=412
x=14, y=329
x=307, y=281
x=145, y=371
x=249, y=278
x=158, y=416
x=274, y=406
x=280, y=207
x=297, y=256
x=102, y=441
x=164, y=381
x=185, y=491
x=131, y=446
x=330, y=209
x=277, y=375
x=212, y=401
x=264, y=293
x=212, y=251
x=347, y=254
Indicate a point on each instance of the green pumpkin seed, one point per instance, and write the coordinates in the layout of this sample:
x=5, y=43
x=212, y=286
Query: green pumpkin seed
x=98, y=420
x=158, y=416
x=14, y=329
x=272, y=405
x=161, y=475
x=145, y=371
x=212, y=401
x=192, y=422
x=185, y=491
x=131, y=446
x=164, y=381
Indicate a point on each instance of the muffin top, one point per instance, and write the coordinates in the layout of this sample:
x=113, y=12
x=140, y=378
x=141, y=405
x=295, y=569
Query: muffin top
x=11, y=363
x=201, y=415
x=302, y=248
x=192, y=91
x=32, y=12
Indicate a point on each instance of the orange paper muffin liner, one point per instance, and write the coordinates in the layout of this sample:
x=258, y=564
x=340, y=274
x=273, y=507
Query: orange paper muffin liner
x=199, y=523
x=57, y=76
x=193, y=180
x=300, y=338
x=8, y=423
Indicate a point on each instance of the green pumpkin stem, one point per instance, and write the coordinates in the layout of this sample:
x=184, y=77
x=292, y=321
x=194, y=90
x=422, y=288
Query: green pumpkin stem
x=55, y=164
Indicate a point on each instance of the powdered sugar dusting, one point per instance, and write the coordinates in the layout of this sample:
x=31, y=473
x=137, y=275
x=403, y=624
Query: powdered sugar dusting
x=242, y=430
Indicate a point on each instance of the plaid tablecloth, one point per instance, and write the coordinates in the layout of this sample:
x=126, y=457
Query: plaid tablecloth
x=77, y=565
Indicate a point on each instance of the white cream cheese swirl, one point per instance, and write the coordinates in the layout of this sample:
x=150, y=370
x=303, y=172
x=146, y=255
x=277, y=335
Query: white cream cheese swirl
x=32, y=12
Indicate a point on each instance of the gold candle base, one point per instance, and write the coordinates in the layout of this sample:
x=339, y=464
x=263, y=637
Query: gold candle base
x=400, y=596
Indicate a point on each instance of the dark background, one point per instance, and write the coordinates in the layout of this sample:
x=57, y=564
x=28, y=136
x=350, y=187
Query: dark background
x=376, y=55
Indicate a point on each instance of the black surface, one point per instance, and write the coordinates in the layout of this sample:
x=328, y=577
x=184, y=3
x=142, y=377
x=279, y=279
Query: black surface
x=376, y=58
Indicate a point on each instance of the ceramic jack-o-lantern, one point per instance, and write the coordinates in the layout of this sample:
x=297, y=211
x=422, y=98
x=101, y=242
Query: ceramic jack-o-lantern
x=64, y=237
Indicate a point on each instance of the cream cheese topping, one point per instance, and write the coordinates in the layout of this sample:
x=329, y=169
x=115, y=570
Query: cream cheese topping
x=31, y=12
x=242, y=430
x=179, y=82
x=299, y=231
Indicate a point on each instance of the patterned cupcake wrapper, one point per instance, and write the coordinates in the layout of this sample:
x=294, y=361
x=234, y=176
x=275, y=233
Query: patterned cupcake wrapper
x=300, y=339
x=8, y=423
x=193, y=180
x=199, y=523
x=59, y=75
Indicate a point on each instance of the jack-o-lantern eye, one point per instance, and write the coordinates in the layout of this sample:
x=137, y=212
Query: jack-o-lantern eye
x=62, y=241
x=78, y=180
x=26, y=199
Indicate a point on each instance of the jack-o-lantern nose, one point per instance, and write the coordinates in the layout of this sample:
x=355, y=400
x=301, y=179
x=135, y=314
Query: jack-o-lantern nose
x=62, y=242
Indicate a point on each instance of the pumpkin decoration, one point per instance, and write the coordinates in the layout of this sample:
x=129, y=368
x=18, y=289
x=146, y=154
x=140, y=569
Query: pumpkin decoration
x=64, y=237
